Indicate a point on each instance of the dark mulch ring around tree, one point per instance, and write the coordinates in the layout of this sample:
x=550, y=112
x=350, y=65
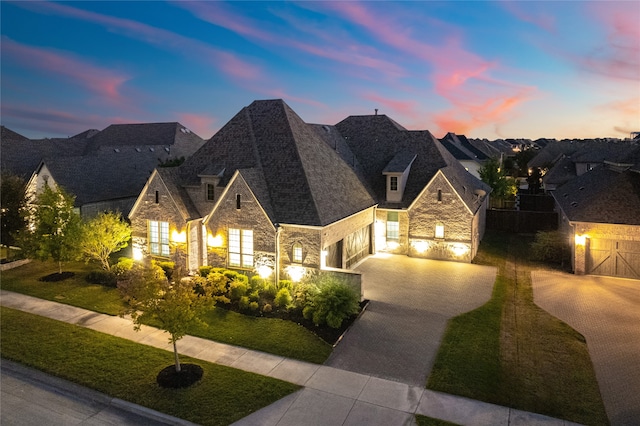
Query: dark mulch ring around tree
x=188, y=375
x=57, y=276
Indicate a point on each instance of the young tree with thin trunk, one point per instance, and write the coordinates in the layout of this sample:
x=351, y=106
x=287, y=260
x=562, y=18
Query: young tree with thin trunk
x=174, y=305
x=54, y=229
x=103, y=235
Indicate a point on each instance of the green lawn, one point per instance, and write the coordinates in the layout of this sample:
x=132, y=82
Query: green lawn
x=126, y=370
x=511, y=352
x=270, y=335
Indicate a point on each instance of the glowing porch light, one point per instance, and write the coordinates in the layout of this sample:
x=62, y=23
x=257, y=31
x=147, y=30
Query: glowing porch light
x=323, y=259
x=137, y=254
x=459, y=249
x=214, y=241
x=421, y=246
x=264, y=271
x=178, y=237
x=296, y=272
x=581, y=240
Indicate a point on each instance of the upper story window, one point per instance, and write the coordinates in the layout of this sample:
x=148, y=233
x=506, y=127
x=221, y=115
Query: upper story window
x=297, y=253
x=393, y=183
x=393, y=226
x=439, y=231
x=211, y=192
x=238, y=201
x=241, y=247
x=159, y=238
x=440, y=195
x=157, y=197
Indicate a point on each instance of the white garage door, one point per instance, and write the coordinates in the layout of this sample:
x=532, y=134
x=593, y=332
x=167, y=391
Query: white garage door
x=614, y=258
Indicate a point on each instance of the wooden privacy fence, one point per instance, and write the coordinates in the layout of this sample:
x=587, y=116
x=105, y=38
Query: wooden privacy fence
x=519, y=221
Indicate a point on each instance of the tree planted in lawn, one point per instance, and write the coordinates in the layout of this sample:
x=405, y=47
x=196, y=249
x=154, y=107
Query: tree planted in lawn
x=174, y=306
x=54, y=229
x=12, y=202
x=103, y=235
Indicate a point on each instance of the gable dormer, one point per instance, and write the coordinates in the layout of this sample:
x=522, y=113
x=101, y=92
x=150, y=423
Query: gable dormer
x=396, y=174
x=210, y=179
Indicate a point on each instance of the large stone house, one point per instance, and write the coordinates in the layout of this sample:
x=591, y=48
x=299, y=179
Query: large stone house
x=269, y=193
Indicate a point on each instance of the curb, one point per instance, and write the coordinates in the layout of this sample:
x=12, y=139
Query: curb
x=67, y=388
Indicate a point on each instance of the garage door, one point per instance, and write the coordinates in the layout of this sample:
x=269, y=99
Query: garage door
x=357, y=246
x=614, y=258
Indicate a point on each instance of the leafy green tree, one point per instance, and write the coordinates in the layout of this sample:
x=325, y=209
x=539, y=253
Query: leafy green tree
x=504, y=187
x=103, y=235
x=174, y=306
x=55, y=228
x=12, y=203
x=522, y=159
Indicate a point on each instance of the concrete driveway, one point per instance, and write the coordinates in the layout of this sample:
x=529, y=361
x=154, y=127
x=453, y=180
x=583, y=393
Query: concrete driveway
x=607, y=313
x=400, y=332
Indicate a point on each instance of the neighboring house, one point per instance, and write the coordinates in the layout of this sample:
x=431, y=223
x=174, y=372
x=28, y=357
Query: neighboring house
x=468, y=155
x=270, y=193
x=600, y=213
x=114, y=165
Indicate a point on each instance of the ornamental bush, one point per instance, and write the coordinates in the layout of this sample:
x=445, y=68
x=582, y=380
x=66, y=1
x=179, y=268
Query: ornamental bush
x=283, y=298
x=332, y=303
x=549, y=246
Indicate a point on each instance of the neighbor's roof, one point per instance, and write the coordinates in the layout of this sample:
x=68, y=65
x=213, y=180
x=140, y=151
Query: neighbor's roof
x=602, y=195
x=305, y=180
x=8, y=134
x=562, y=172
x=22, y=157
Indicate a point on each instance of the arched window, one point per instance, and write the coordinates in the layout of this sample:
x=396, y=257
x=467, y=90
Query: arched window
x=297, y=253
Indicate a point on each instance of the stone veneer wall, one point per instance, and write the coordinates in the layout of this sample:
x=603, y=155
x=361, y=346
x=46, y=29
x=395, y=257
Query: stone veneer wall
x=164, y=211
x=403, y=234
x=308, y=237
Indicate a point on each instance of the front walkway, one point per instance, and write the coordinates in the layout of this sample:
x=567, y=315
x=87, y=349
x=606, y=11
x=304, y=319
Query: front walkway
x=411, y=300
x=606, y=311
x=330, y=396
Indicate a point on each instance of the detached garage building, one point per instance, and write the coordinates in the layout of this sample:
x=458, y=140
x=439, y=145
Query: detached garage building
x=600, y=212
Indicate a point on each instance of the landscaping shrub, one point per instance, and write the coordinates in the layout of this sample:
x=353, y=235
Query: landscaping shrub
x=122, y=267
x=105, y=278
x=237, y=289
x=285, y=284
x=167, y=267
x=253, y=306
x=204, y=271
x=549, y=246
x=301, y=293
x=256, y=283
x=332, y=303
x=243, y=303
x=283, y=298
x=267, y=308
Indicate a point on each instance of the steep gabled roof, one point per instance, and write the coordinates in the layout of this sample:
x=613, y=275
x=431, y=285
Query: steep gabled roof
x=181, y=199
x=22, y=157
x=376, y=140
x=602, y=195
x=8, y=134
x=562, y=172
x=306, y=181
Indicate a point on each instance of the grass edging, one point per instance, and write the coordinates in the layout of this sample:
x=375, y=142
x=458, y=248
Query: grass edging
x=510, y=352
x=127, y=370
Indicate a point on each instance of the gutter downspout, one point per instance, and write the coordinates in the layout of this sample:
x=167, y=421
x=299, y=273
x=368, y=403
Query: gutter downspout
x=277, y=262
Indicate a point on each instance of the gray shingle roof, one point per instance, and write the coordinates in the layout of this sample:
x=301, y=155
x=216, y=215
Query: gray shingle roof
x=400, y=162
x=376, y=140
x=22, y=157
x=169, y=176
x=562, y=172
x=306, y=181
x=602, y=195
x=8, y=134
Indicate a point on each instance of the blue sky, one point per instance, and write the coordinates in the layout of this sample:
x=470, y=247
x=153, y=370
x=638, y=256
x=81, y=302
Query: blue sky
x=492, y=70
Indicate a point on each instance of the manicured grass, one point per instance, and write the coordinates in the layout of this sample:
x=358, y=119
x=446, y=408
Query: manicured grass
x=126, y=370
x=430, y=421
x=513, y=353
x=270, y=335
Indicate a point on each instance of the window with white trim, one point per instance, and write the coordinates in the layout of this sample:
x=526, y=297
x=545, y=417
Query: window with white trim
x=393, y=183
x=241, y=247
x=393, y=226
x=159, y=238
x=297, y=253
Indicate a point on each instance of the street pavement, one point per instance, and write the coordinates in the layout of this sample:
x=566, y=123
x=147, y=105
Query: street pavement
x=329, y=396
x=411, y=300
x=606, y=311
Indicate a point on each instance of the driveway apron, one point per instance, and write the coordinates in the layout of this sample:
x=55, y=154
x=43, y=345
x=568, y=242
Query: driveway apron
x=411, y=301
x=607, y=312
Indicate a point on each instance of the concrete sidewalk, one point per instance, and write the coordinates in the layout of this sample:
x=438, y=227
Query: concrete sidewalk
x=330, y=396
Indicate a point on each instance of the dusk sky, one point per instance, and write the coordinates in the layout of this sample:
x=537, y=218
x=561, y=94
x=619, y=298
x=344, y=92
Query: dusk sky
x=510, y=69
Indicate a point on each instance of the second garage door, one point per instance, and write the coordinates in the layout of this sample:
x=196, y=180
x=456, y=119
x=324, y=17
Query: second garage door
x=614, y=258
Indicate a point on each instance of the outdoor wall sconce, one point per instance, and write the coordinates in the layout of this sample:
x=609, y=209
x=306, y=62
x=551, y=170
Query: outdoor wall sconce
x=581, y=240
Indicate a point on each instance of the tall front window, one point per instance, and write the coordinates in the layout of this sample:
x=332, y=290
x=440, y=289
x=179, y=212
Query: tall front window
x=439, y=231
x=159, y=238
x=241, y=247
x=393, y=226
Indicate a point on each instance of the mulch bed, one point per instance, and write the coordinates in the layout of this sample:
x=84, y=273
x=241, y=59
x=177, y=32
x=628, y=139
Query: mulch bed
x=188, y=375
x=52, y=278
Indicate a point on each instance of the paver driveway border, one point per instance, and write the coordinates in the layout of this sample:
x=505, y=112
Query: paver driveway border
x=606, y=311
x=411, y=300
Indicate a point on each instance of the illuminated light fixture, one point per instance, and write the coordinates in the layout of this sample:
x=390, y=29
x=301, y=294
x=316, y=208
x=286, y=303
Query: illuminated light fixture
x=296, y=272
x=178, y=237
x=214, y=241
x=323, y=259
x=439, y=231
x=137, y=254
x=581, y=240
x=264, y=271
x=421, y=246
x=392, y=245
x=459, y=249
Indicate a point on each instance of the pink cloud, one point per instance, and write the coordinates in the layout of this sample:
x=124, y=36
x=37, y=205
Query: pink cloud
x=103, y=82
x=226, y=62
x=201, y=124
x=542, y=20
x=404, y=108
x=458, y=75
